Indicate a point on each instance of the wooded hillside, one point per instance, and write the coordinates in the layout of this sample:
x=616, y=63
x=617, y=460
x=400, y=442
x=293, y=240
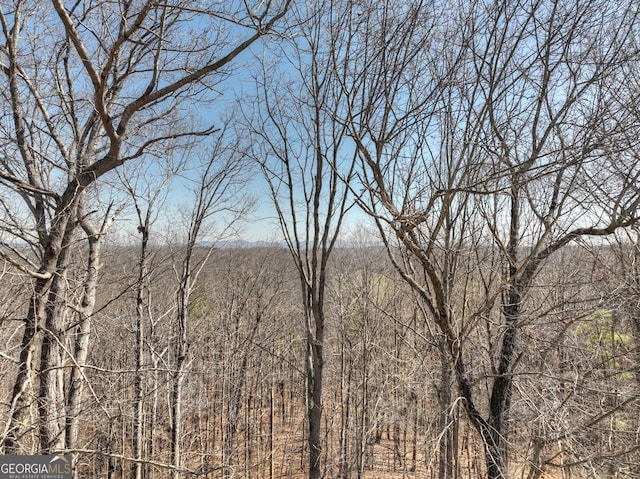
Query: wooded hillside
x=391, y=407
x=452, y=193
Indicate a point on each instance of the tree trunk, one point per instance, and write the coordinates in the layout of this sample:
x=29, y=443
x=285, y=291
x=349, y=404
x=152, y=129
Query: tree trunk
x=500, y=400
x=181, y=351
x=51, y=396
x=51, y=400
x=315, y=363
x=82, y=333
x=178, y=379
x=446, y=454
x=76, y=383
x=138, y=404
x=176, y=416
x=20, y=406
x=19, y=412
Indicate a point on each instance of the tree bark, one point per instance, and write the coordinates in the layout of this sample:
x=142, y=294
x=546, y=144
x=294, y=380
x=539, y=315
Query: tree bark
x=51, y=394
x=180, y=351
x=141, y=297
x=314, y=370
x=42, y=312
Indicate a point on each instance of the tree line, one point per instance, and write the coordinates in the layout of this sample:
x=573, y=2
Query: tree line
x=486, y=324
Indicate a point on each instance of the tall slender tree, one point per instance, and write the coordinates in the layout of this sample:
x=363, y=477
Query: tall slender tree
x=217, y=195
x=306, y=161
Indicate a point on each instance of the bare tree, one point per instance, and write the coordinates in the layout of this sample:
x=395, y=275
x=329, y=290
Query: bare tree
x=505, y=111
x=88, y=89
x=217, y=196
x=147, y=195
x=304, y=157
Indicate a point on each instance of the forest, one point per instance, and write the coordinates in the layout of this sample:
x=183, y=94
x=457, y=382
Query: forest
x=321, y=239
